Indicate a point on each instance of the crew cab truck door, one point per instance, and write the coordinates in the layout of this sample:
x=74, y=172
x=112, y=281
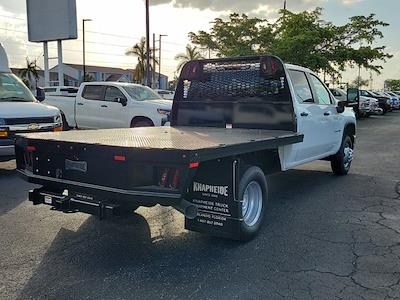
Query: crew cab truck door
x=307, y=120
x=328, y=117
x=87, y=106
x=113, y=110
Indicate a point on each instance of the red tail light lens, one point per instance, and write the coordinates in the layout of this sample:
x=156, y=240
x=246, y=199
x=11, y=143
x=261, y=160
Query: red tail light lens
x=119, y=158
x=193, y=165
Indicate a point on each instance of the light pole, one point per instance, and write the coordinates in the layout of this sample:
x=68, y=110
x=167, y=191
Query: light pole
x=159, y=59
x=148, y=75
x=83, y=48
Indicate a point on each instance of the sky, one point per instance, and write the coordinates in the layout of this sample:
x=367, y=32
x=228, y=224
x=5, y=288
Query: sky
x=118, y=24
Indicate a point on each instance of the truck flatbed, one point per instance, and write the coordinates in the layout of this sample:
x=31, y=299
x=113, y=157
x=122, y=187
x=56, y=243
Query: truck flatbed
x=202, y=143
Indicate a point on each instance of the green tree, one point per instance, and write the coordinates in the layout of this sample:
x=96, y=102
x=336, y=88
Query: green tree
x=139, y=50
x=30, y=73
x=359, y=82
x=238, y=36
x=191, y=53
x=393, y=84
x=299, y=38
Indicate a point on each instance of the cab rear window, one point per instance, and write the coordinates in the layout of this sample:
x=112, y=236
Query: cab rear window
x=93, y=92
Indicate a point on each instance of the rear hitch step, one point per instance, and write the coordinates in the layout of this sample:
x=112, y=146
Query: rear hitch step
x=67, y=204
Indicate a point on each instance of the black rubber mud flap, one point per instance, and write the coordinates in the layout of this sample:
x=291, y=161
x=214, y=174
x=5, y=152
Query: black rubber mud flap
x=214, y=191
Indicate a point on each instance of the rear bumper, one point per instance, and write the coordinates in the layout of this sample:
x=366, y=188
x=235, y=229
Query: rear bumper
x=7, y=149
x=67, y=204
x=138, y=197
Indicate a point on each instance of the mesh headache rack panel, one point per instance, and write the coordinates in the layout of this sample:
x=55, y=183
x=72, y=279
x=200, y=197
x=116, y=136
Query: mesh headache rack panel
x=229, y=89
x=224, y=80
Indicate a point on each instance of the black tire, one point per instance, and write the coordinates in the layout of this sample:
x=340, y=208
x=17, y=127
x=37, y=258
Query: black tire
x=142, y=123
x=338, y=162
x=253, y=174
x=65, y=125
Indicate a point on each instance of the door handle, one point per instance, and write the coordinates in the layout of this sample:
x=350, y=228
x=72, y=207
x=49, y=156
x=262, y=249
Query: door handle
x=327, y=113
x=104, y=105
x=79, y=103
x=304, y=114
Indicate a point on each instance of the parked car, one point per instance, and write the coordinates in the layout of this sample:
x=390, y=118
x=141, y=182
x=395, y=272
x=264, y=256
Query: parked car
x=112, y=105
x=367, y=105
x=384, y=101
x=388, y=97
x=166, y=94
x=20, y=111
x=211, y=163
x=395, y=101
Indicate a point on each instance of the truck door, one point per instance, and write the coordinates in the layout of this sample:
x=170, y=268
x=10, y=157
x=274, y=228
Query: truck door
x=328, y=118
x=112, y=113
x=88, y=106
x=307, y=118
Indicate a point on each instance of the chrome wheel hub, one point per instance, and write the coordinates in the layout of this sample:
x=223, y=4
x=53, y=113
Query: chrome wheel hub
x=348, y=156
x=252, y=203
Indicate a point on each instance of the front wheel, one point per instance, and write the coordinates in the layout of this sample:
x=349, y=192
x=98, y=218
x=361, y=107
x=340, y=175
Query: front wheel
x=65, y=125
x=142, y=123
x=341, y=161
x=253, y=192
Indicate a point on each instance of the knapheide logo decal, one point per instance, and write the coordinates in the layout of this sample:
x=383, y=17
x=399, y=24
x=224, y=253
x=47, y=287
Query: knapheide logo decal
x=207, y=188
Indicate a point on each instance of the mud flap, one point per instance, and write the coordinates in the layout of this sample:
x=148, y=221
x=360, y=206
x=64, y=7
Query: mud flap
x=214, y=192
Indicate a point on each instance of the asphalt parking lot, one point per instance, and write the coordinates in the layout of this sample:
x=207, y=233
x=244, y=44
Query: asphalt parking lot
x=326, y=237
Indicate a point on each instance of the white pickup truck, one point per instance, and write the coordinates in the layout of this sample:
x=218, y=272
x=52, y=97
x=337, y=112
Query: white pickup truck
x=111, y=105
x=234, y=120
x=19, y=110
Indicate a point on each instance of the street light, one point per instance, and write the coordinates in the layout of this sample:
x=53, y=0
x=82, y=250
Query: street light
x=83, y=48
x=159, y=59
x=148, y=75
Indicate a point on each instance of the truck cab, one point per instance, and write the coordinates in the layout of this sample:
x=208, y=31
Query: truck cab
x=20, y=112
x=317, y=117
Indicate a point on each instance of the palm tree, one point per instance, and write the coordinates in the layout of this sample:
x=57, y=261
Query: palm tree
x=192, y=52
x=31, y=71
x=139, y=50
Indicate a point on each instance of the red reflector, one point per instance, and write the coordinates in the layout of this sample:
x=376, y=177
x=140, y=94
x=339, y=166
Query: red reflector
x=175, y=181
x=119, y=158
x=30, y=148
x=194, y=165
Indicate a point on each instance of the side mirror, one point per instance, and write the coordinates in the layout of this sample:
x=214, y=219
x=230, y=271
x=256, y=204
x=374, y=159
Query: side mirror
x=123, y=101
x=341, y=106
x=40, y=94
x=353, y=97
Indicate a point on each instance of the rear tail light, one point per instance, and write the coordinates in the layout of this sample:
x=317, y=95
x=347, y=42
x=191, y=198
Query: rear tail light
x=28, y=160
x=30, y=148
x=193, y=165
x=57, y=129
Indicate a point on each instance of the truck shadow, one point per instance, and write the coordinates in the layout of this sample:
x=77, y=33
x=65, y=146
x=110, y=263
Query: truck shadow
x=13, y=190
x=119, y=259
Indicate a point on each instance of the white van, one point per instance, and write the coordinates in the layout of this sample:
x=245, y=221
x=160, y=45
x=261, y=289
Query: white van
x=20, y=112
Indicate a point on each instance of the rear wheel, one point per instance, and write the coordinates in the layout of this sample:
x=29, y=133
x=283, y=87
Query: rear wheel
x=253, y=192
x=341, y=161
x=142, y=123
